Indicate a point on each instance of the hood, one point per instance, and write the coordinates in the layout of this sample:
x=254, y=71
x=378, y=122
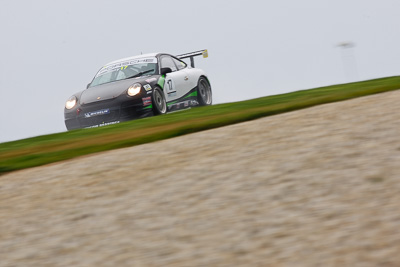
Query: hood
x=106, y=91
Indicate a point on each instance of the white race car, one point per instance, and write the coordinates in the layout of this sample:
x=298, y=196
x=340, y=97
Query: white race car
x=138, y=87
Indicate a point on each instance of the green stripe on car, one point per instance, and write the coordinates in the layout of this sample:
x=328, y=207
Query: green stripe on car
x=151, y=106
x=161, y=81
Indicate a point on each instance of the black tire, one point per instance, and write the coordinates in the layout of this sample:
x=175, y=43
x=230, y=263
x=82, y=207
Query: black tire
x=159, y=103
x=204, y=94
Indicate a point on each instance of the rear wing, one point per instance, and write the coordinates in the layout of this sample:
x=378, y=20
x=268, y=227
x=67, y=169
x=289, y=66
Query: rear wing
x=191, y=55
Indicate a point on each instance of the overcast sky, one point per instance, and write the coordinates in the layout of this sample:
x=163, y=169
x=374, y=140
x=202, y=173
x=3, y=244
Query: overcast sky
x=51, y=49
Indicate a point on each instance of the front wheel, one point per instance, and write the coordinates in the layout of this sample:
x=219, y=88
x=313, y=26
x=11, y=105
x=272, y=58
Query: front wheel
x=159, y=103
x=204, y=95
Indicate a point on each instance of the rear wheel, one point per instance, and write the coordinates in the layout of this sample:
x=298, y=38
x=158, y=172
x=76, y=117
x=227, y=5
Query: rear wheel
x=159, y=103
x=204, y=95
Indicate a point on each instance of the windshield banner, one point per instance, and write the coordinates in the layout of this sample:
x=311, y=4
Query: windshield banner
x=123, y=64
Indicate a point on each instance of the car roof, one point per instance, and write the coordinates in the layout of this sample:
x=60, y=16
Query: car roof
x=134, y=57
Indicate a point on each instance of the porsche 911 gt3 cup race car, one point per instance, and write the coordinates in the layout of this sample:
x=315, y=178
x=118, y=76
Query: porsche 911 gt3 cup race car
x=138, y=87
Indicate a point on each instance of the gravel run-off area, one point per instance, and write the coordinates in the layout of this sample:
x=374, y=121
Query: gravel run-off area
x=315, y=187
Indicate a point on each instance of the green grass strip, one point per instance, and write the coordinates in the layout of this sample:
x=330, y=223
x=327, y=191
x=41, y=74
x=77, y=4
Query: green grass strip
x=46, y=149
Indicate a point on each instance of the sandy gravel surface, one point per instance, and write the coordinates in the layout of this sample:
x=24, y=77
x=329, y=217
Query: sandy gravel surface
x=317, y=187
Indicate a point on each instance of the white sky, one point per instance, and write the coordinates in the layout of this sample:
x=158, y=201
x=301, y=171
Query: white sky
x=50, y=49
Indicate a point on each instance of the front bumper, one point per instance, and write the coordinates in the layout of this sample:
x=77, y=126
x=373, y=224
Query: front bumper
x=112, y=112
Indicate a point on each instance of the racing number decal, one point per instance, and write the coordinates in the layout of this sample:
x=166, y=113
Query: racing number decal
x=169, y=86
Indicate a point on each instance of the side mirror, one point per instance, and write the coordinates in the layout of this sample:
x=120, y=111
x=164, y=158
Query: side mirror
x=87, y=86
x=165, y=70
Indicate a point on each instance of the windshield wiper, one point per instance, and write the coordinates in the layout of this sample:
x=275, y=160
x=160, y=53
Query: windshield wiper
x=139, y=74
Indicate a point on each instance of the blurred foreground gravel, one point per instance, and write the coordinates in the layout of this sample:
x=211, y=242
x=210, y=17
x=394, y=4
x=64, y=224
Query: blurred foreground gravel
x=316, y=187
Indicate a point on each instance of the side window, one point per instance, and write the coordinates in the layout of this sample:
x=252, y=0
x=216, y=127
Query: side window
x=179, y=64
x=166, y=62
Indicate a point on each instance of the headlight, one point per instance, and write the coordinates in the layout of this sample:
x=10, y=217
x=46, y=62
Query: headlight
x=71, y=102
x=134, y=89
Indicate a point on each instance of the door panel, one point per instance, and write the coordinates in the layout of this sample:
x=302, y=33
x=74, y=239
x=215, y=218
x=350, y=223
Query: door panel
x=178, y=82
x=175, y=85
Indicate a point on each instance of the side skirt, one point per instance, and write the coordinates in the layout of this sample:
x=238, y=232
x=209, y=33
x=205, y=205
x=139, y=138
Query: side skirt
x=186, y=101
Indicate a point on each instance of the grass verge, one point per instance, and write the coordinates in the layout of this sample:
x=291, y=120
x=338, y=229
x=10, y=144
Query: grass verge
x=46, y=149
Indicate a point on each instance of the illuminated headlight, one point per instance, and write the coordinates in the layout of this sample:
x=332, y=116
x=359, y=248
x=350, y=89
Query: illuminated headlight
x=134, y=89
x=71, y=102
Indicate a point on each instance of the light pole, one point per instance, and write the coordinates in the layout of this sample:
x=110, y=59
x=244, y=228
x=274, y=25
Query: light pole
x=349, y=61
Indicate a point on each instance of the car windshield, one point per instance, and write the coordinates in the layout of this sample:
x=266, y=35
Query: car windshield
x=125, y=70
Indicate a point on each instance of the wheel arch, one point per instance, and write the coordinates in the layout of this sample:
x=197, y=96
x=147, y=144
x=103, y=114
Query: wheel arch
x=205, y=77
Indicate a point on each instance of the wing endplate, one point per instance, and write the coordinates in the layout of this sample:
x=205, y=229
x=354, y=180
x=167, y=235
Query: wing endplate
x=191, y=55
